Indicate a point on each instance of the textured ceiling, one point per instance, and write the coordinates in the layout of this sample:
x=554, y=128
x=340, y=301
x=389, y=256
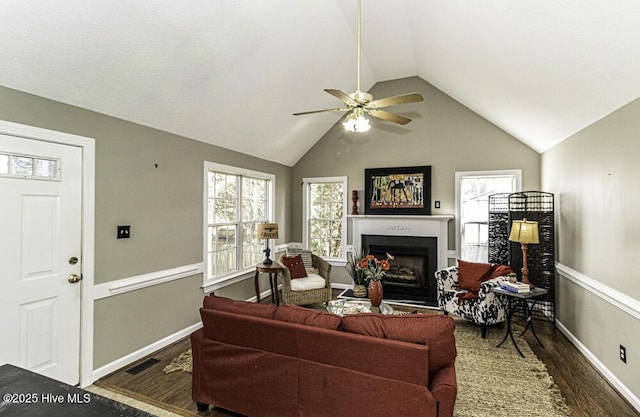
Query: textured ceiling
x=231, y=73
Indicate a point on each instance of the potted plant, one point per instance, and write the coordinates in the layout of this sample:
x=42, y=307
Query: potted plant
x=356, y=272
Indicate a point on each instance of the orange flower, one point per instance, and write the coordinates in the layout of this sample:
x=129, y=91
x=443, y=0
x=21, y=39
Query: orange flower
x=384, y=264
x=371, y=258
x=364, y=263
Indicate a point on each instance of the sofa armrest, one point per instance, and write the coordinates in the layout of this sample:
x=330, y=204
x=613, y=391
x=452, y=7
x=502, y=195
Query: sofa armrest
x=486, y=288
x=197, y=338
x=444, y=387
x=323, y=267
x=447, y=279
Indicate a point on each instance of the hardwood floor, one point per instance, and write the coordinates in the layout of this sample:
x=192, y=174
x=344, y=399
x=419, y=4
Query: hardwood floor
x=586, y=392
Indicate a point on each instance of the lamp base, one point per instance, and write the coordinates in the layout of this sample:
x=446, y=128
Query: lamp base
x=267, y=252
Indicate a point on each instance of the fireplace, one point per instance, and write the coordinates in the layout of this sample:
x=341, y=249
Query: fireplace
x=411, y=272
x=419, y=245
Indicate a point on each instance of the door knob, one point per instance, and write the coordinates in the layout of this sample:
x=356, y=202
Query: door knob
x=73, y=278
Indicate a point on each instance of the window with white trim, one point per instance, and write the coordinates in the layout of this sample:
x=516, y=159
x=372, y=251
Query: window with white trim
x=236, y=201
x=325, y=206
x=472, y=209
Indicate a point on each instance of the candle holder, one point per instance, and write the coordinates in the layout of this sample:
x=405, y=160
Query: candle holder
x=354, y=199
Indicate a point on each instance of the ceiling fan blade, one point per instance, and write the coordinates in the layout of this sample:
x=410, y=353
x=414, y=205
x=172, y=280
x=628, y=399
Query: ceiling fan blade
x=342, y=96
x=385, y=115
x=319, y=111
x=395, y=100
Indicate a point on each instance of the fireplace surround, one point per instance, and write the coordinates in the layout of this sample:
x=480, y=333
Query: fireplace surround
x=419, y=245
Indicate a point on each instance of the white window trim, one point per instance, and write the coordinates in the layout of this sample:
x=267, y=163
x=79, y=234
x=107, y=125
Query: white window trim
x=208, y=284
x=497, y=173
x=306, y=209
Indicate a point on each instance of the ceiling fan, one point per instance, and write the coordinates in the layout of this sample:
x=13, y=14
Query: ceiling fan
x=360, y=103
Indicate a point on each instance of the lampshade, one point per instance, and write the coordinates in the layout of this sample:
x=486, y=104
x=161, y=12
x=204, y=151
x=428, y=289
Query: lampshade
x=267, y=231
x=524, y=231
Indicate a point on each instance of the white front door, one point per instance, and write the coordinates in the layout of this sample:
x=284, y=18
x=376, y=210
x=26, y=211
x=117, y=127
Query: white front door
x=40, y=248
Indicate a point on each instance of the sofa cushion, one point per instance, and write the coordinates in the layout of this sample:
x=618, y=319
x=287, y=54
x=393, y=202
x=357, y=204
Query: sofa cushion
x=301, y=315
x=368, y=324
x=472, y=274
x=310, y=282
x=295, y=266
x=240, y=307
x=436, y=331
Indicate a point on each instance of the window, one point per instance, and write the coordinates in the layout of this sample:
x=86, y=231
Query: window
x=472, y=209
x=236, y=200
x=325, y=207
x=29, y=167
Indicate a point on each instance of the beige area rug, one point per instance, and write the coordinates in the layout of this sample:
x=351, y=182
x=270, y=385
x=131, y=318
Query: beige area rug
x=492, y=382
x=498, y=382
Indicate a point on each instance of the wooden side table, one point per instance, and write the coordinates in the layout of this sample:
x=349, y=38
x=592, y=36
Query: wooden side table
x=273, y=270
x=512, y=298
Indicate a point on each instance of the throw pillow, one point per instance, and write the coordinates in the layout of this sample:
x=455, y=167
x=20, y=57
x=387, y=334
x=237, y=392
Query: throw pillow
x=472, y=274
x=306, y=256
x=295, y=266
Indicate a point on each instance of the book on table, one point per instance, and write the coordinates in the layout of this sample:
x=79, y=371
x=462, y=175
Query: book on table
x=517, y=287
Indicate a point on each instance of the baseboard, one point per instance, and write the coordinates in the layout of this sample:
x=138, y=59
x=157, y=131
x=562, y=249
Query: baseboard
x=148, y=350
x=140, y=353
x=610, y=376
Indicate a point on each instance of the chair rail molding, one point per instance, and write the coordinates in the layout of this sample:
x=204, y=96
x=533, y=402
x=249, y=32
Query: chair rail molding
x=614, y=297
x=137, y=282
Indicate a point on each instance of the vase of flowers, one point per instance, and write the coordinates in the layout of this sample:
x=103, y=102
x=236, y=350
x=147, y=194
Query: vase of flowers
x=374, y=269
x=357, y=273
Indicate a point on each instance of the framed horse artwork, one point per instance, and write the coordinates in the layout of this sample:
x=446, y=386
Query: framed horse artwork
x=400, y=191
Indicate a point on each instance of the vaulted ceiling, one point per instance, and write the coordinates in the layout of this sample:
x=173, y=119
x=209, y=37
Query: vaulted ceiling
x=231, y=73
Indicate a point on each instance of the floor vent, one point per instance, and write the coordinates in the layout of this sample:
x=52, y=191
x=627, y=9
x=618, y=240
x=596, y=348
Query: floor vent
x=142, y=366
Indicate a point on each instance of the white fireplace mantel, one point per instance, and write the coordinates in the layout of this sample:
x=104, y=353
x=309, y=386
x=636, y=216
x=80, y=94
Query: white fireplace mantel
x=391, y=225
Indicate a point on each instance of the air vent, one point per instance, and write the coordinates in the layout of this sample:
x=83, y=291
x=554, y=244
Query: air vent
x=142, y=366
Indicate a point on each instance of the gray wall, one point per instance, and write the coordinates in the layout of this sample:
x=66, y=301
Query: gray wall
x=444, y=134
x=163, y=205
x=595, y=176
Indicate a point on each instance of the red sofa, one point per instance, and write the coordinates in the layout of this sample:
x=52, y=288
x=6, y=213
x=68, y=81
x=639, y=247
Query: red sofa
x=263, y=360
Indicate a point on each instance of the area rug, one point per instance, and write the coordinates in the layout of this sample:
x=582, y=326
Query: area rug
x=492, y=382
x=498, y=382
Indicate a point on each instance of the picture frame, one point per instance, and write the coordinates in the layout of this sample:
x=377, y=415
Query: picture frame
x=399, y=191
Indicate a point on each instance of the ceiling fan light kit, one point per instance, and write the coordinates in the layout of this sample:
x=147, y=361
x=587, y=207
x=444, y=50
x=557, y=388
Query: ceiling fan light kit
x=361, y=104
x=358, y=124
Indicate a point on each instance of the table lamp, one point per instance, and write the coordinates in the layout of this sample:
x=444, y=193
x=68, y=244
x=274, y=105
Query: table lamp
x=267, y=231
x=526, y=233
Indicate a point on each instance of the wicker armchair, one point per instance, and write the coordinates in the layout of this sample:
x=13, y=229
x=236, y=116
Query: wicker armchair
x=304, y=297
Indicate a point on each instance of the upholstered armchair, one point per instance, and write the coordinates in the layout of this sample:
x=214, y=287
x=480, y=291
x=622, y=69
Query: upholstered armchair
x=484, y=310
x=315, y=288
